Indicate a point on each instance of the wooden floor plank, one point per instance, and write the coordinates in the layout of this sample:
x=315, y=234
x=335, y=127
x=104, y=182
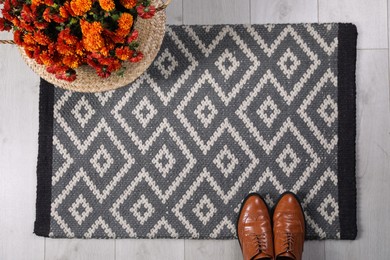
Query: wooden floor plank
x=18, y=153
x=175, y=12
x=373, y=164
x=314, y=250
x=144, y=249
x=80, y=249
x=216, y=12
x=212, y=249
x=369, y=16
x=283, y=11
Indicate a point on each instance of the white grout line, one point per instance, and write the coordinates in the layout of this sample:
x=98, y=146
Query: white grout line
x=44, y=248
x=114, y=249
x=372, y=49
x=388, y=46
x=182, y=12
x=318, y=11
x=250, y=11
x=184, y=248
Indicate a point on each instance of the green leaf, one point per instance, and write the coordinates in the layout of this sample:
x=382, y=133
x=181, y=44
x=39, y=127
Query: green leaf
x=115, y=17
x=121, y=71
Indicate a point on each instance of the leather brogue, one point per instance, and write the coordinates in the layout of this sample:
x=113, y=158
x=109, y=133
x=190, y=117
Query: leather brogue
x=254, y=229
x=288, y=228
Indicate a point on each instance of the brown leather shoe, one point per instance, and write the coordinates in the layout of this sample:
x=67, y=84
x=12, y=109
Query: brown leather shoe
x=254, y=229
x=289, y=228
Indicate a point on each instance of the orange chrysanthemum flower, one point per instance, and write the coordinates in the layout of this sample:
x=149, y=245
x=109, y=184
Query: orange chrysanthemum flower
x=27, y=15
x=52, y=48
x=125, y=22
x=49, y=2
x=46, y=58
x=63, y=12
x=123, y=53
x=129, y=4
x=26, y=26
x=41, y=38
x=18, y=37
x=79, y=49
x=113, y=37
x=64, y=48
x=47, y=15
x=15, y=21
x=92, y=36
x=29, y=48
x=67, y=37
x=107, y=5
x=72, y=61
x=41, y=25
x=69, y=8
x=111, y=64
x=28, y=39
x=37, y=2
x=80, y=7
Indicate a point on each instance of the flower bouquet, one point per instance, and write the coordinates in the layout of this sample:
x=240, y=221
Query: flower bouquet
x=76, y=43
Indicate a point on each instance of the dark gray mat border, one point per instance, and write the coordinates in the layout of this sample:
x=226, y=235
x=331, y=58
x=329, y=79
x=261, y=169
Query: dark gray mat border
x=347, y=37
x=45, y=155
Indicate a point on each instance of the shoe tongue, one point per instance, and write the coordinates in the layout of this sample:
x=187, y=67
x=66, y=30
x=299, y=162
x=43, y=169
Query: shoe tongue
x=286, y=255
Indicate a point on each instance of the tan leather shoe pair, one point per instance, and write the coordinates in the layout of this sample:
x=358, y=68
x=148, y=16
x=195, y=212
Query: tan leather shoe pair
x=261, y=239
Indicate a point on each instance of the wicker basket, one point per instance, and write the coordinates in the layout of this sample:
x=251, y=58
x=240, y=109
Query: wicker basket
x=151, y=33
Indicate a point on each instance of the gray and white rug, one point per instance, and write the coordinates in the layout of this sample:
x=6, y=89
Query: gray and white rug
x=223, y=111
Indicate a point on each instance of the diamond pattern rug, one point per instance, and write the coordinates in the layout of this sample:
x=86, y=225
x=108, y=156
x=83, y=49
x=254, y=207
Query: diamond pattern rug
x=223, y=111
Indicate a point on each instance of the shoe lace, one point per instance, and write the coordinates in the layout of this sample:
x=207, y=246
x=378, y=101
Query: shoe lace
x=260, y=241
x=288, y=242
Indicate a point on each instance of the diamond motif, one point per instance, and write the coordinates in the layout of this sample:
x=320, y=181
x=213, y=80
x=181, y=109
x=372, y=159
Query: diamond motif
x=207, y=28
x=97, y=161
x=169, y=161
x=166, y=63
x=80, y=209
x=67, y=160
x=263, y=111
x=188, y=64
x=162, y=224
x=226, y=161
x=328, y=111
x=144, y=112
x=99, y=223
x=327, y=81
x=247, y=58
x=289, y=63
x=142, y=210
x=204, y=210
x=103, y=97
x=227, y=64
x=328, y=46
x=270, y=27
x=288, y=160
x=206, y=112
x=329, y=204
x=309, y=58
x=83, y=111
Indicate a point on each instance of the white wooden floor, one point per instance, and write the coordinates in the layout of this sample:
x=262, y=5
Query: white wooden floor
x=19, y=133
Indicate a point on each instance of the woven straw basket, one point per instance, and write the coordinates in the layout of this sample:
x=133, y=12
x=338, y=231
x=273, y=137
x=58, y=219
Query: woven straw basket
x=151, y=33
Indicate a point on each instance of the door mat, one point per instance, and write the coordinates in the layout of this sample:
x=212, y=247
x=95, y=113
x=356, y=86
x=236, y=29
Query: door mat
x=223, y=111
